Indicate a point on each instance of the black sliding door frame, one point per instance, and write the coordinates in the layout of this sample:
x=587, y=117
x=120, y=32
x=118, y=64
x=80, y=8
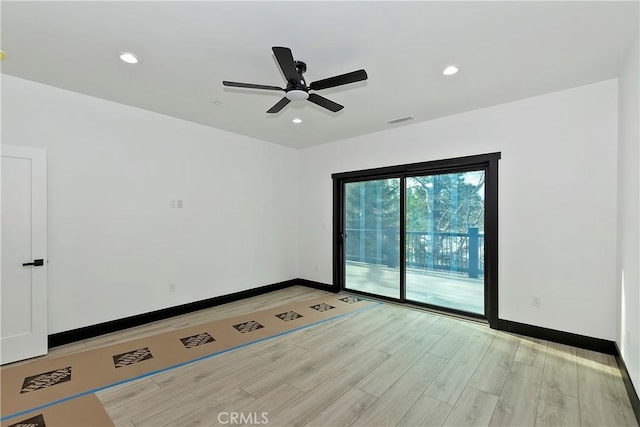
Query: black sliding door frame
x=484, y=162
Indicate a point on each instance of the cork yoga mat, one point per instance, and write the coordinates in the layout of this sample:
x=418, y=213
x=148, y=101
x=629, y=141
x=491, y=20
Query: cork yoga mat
x=41, y=384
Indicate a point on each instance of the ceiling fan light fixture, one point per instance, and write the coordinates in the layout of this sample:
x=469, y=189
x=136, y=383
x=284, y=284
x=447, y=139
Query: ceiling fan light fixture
x=129, y=58
x=297, y=95
x=450, y=70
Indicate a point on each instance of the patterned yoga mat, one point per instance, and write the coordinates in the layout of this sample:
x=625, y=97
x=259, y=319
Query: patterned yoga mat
x=40, y=392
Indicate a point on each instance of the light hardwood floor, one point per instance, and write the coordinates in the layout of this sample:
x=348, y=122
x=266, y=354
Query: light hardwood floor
x=389, y=365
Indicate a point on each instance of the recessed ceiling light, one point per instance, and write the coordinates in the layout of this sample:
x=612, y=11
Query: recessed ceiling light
x=297, y=120
x=129, y=58
x=217, y=102
x=450, y=70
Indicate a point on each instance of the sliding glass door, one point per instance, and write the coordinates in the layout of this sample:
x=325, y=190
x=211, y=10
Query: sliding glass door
x=444, y=242
x=424, y=234
x=372, y=237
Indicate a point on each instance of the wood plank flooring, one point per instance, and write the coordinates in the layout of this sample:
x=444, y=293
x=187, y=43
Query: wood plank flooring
x=389, y=365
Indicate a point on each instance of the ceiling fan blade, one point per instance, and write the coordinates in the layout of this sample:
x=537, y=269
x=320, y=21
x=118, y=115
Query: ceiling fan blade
x=287, y=64
x=324, y=102
x=251, y=86
x=342, y=79
x=279, y=105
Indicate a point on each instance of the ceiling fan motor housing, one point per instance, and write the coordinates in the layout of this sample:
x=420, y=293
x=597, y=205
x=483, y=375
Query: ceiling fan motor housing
x=297, y=90
x=301, y=67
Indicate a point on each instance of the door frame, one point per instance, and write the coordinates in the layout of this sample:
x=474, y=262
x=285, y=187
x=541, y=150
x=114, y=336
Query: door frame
x=35, y=344
x=487, y=162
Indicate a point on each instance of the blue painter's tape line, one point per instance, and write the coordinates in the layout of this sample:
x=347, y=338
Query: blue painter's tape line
x=208, y=356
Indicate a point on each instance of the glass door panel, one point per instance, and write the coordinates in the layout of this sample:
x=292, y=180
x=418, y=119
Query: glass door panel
x=444, y=240
x=372, y=237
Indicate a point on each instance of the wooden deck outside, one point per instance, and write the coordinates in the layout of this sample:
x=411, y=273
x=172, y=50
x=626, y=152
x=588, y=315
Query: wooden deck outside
x=439, y=288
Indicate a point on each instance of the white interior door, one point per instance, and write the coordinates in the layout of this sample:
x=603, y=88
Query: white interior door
x=23, y=289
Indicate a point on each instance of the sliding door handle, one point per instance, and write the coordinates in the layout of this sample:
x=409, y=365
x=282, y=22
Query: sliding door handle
x=35, y=263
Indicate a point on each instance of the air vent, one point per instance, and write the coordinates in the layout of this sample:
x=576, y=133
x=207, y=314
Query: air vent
x=400, y=120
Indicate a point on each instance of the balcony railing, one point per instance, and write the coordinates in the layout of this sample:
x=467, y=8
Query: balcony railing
x=452, y=252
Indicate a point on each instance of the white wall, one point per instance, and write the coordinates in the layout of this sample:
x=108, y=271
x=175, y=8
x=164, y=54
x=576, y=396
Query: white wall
x=115, y=245
x=557, y=197
x=114, y=242
x=629, y=217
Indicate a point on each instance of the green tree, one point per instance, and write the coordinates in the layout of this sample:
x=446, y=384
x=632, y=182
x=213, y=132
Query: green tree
x=445, y=203
x=450, y=203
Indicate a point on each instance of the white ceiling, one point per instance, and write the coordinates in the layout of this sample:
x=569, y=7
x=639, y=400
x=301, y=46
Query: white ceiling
x=505, y=51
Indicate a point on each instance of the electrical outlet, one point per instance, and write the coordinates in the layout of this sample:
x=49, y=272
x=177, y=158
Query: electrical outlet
x=535, y=301
x=172, y=287
x=179, y=204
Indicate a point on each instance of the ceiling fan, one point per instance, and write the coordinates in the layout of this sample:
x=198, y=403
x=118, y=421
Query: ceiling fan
x=297, y=89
